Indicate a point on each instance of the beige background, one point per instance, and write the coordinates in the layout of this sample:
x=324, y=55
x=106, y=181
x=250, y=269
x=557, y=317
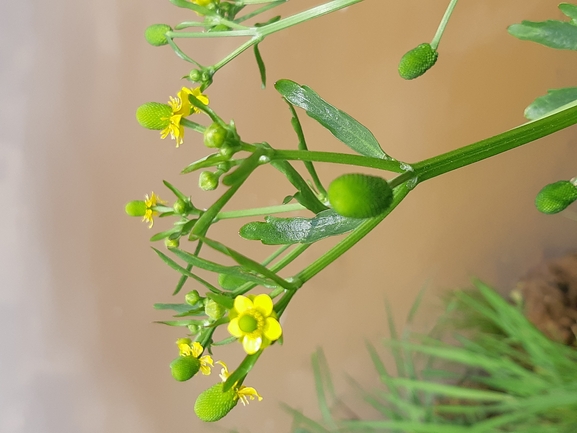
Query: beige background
x=79, y=352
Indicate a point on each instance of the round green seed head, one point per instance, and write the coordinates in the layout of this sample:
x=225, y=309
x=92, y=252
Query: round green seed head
x=154, y=115
x=135, y=208
x=213, y=404
x=156, y=34
x=555, y=197
x=359, y=195
x=417, y=61
x=214, y=136
x=184, y=367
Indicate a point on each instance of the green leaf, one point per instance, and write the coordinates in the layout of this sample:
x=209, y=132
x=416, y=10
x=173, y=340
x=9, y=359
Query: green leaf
x=185, y=272
x=261, y=66
x=561, y=35
x=554, y=99
x=174, y=190
x=180, y=322
x=283, y=231
x=165, y=234
x=248, y=263
x=179, y=308
x=339, y=123
x=305, y=196
x=221, y=269
x=569, y=10
x=207, y=161
x=225, y=301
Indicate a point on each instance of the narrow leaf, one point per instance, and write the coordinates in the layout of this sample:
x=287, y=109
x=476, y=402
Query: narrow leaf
x=283, y=231
x=339, y=123
x=261, y=66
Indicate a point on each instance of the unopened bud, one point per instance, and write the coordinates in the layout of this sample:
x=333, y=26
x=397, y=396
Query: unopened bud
x=213, y=310
x=208, y=181
x=214, y=136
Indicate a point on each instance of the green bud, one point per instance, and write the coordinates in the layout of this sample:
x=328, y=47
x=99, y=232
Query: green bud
x=135, y=208
x=156, y=34
x=359, y=195
x=184, y=367
x=213, y=310
x=417, y=61
x=228, y=150
x=171, y=243
x=183, y=207
x=208, y=181
x=192, y=297
x=154, y=115
x=555, y=197
x=195, y=75
x=194, y=329
x=214, y=136
x=214, y=404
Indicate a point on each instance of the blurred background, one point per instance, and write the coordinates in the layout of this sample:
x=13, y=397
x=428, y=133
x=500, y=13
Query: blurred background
x=79, y=352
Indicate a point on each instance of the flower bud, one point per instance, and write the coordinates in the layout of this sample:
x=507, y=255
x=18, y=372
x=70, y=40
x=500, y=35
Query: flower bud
x=214, y=404
x=213, y=310
x=184, y=367
x=171, y=243
x=135, y=208
x=195, y=75
x=194, y=329
x=183, y=207
x=208, y=181
x=192, y=297
x=214, y=136
x=156, y=34
x=555, y=197
x=359, y=195
x=417, y=61
x=154, y=115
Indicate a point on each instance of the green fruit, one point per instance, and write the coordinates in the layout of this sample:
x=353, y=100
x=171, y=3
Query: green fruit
x=156, y=34
x=135, y=208
x=359, y=195
x=555, y=197
x=213, y=404
x=417, y=61
x=214, y=136
x=154, y=115
x=184, y=367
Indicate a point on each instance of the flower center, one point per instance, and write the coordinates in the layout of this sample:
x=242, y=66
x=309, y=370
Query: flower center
x=247, y=323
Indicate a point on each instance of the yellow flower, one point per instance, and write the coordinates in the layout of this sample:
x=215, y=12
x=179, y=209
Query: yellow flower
x=187, y=348
x=181, y=107
x=243, y=393
x=202, y=2
x=150, y=203
x=253, y=321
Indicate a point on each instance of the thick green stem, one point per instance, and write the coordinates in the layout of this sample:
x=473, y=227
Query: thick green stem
x=483, y=149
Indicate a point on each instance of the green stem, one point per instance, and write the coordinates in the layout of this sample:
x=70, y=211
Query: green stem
x=443, y=24
x=274, y=255
x=237, y=52
x=339, y=158
x=347, y=243
x=192, y=125
x=260, y=10
x=179, y=52
x=259, y=211
x=483, y=149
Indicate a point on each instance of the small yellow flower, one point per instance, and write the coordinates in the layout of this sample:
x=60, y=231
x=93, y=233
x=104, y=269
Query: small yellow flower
x=181, y=107
x=243, y=393
x=150, y=203
x=188, y=348
x=253, y=321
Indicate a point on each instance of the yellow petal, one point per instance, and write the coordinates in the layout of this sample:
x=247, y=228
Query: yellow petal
x=246, y=392
x=224, y=372
x=206, y=364
x=263, y=303
x=242, y=304
x=234, y=329
x=251, y=345
x=196, y=349
x=272, y=329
